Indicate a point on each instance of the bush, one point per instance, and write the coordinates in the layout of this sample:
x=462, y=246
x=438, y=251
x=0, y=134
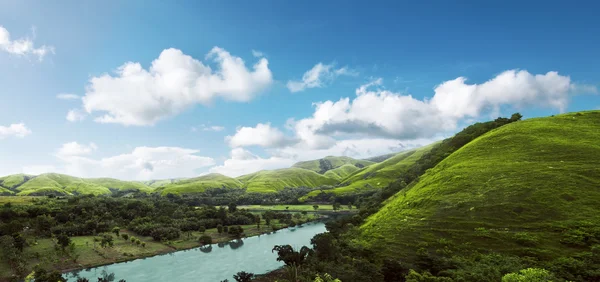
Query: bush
x=529, y=275
x=165, y=233
x=205, y=239
x=125, y=236
x=526, y=239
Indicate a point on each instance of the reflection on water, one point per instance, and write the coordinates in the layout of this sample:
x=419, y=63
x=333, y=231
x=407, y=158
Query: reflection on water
x=209, y=264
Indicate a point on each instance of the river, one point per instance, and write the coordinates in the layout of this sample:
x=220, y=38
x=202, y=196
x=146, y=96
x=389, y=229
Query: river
x=211, y=263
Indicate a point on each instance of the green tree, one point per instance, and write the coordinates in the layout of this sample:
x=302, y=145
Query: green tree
x=414, y=276
x=116, y=230
x=42, y=275
x=326, y=278
x=516, y=117
x=336, y=206
x=316, y=207
x=63, y=240
x=243, y=276
x=106, y=241
x=220, y=228
x=529, y=275
x=232, y=207
x=202, y=229
x=205, y=239
x=125, y=236
x=257, y=221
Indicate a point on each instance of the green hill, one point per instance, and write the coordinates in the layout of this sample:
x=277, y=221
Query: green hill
x=199, y=184
x=341, y=172
x=268, y=181
x=11, y=181
x=328, y=163
x=60, y=184
x=529, y=189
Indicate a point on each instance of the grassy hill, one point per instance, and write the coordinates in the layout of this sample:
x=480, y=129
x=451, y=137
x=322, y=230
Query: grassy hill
x=60, y=184
x=268, y=181
x=529, y=189
x=199, y=184
x=328, y=163
x=14, y=180
x=341, y=172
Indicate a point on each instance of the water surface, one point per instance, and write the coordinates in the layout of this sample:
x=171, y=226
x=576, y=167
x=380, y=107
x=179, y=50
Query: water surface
x=210, y=263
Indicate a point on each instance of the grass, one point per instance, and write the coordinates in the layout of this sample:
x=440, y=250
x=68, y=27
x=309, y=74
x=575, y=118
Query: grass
x=269, y=181
x=283, y=207
x=536, y=179
x=335, y=162
x=199, y=184
x=341, y=172
x=25, y=200
x=60, y=184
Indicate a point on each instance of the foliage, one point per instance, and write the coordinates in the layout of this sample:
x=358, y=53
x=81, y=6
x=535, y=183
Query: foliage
x=205, y=239
x=243, y=276
x=271, y=181
x=326, y=278
x=529, y=275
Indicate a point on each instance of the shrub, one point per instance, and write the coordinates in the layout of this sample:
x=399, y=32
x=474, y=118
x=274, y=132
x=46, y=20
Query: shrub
x=205, y=239
x=165, y=233
x=529, y=275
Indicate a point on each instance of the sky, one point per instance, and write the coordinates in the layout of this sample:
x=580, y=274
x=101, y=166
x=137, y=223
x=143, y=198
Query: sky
x=142, y=90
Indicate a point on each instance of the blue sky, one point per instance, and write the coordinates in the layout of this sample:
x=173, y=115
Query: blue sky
x=204, y=110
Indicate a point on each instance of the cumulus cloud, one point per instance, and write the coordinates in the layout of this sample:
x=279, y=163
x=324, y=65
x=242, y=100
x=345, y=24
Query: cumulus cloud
x=262, y=135
x=318, y=76
x=68, y=96
x=14, y=130
x=173, y=83
x=143, y=163
x=243, y=162
x=75, y=149
x=22, y=46
x=382, y=113
x=74, y=115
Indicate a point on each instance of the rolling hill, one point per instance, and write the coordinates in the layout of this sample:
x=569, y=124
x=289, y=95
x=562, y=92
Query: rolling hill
x=341, y=172
x=529, y=189
x=11, y=181
x=267, y=181
x=199, y=184
x=328, y=163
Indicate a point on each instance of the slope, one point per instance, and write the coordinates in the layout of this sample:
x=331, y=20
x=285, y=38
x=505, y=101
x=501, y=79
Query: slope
x=530, y=188
x=199, y=184
x=11, y=181
x=112, y=183
x=268, y=181
x=323, y=165
x=60, y=184
x=341, y=172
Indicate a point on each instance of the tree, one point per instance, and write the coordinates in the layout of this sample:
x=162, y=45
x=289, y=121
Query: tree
x=63, y=240
x=138, y=242
x=236, y=231
x=515, y=117
x=225, y=229
x=257, y=221
x=267, y=218
x=19, y=241
x=287, y=208
x=349, y=206
x=243, y=276
x=297, y=216
x=125, y=236
x=220, y=228
x=232, y=207
x=116, y=230
x=292, y=259
x=42, y=275
x=529, y=275
x=205, y=239
x=316, y=207
x=202, y=229
x=336, y=206
x=106, y=241
x=326, y=278
x=143, y=244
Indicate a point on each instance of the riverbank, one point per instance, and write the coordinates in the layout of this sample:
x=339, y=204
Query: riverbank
x=86, y=253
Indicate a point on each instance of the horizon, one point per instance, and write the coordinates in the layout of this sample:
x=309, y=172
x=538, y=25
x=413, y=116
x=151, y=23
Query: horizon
x=92, y=91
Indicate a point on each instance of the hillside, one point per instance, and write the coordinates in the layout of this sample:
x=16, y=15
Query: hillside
x=60, y=184
x=528, y=189
x=341, y=172
x=328, y=163
x=199, y=184
x=267, y=181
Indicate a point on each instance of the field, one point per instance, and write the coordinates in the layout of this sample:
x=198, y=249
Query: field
x=528, y=188
x=291, y=207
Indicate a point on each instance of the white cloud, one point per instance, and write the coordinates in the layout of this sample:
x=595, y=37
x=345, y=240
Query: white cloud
x=75, y=149
x=243, y=162
x=143, y=163
x=318, y=76
x=22, y=46
x=173, y=83
x=68, y=96
x=74, y=115
x=262, y=135
x=383, y=113
x=15, y=129
x=205, y=127
x=257, y=53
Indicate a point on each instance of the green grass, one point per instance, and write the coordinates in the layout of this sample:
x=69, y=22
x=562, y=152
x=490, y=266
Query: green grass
x=25, y=200
x=160, y=183
x=10, y=181
x=199, y=184
x=378, y=175
x=335, y=162
x=283, y=207
x=341, y=172
x=537, y=178
x=268, y=181
x=68, y=185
